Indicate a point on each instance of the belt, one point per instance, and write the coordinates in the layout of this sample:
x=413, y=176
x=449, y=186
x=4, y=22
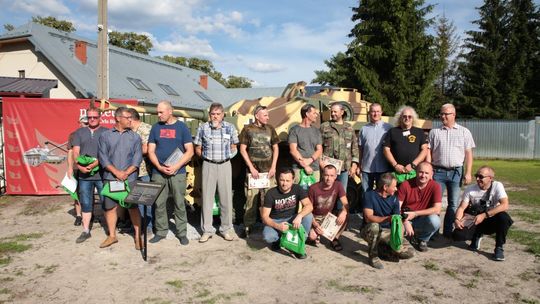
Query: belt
x=217, y=162
x=447, y=169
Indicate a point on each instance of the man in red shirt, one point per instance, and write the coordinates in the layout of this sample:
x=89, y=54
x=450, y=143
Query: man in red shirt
x=421, y=199
x=323, y=195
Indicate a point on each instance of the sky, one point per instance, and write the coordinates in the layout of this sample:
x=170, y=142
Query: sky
x=271, y=43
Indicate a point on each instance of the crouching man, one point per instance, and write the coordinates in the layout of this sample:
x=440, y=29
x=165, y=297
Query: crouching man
x=490, y=200
x=379, y=206
x=281, y=205
x=421, y=199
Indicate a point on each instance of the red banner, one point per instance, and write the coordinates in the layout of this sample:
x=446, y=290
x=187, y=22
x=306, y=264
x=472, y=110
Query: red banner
x=35, y=137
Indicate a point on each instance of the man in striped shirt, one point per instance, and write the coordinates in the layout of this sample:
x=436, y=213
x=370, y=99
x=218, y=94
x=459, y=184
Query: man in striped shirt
x=452, y=159
x=215, y=143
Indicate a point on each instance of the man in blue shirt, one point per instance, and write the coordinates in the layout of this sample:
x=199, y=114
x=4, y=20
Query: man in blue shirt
x=120, y=154
x=379, y=206
x=165, y=137
x=215, y=143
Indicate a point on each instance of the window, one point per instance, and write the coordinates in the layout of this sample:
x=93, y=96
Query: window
x=139, y=84
x=168, y=89
x=22, y=74
x=203, y=96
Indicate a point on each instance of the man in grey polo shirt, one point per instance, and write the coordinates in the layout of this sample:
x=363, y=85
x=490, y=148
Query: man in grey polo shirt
x=215, y=143
x=120, y=154
x=451, y=150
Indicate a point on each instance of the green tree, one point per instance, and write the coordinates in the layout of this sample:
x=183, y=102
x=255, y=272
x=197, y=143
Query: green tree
x=50, y=21
x=481, y=69
x=521, y=59
x=446, y=46
x=340, y=73
x=391, y=57
x=9, y=27
x=238, y=82
x=139, y=43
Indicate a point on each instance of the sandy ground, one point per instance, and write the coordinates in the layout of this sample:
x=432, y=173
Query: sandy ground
x=56, y=270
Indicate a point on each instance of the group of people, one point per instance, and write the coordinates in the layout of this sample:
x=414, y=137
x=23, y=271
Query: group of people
x=403, y=172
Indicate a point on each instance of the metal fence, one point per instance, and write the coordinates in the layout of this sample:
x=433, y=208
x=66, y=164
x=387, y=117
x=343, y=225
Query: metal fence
x=518, y=139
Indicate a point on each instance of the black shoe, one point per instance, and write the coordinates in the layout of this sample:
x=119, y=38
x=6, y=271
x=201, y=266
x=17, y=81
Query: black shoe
x=498, y=255
x=475, y=242
x=422, y=246
x=83, y=237
x=183, y=240
x=78, y=220
x=156, y=239
x=300, y=256
x=275, y=246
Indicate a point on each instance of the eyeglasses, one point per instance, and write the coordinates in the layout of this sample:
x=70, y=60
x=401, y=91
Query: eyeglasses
x=446, y=114
x=93, y=117
x=480, y=176
x=406, y=116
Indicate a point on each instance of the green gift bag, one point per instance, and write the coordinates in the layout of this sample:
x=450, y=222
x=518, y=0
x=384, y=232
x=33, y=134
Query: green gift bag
x=119, y=196
x=396, y=232
x=215, y=208
x=401, y=177
x=294, y=239
x=306, y=180
x=86, y=160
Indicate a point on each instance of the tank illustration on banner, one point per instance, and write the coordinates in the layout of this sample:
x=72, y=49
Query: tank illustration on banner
x=39, y=155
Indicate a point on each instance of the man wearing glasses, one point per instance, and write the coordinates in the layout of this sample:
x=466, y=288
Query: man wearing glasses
x=85, y=142
x=259, y=149
x=120, y=155
x=405, y=146
x=489, y=197
x=451, y=149
x=215, y=143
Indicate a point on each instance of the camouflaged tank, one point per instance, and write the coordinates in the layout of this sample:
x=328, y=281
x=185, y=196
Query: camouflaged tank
x=284, y=112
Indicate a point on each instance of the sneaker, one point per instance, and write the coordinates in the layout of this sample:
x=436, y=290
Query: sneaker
x=405, y=254
x=78, y=220
x=83, y=237
x=475, y=242
x=422, y=246
x=156, y=239
x=228, y=236
x=300, y=256
x=183, y=240
x=205, y=237
x=498, y=255
x=108, y=242
x=376, y=263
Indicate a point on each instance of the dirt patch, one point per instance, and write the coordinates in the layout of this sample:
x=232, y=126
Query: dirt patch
x=56, y=270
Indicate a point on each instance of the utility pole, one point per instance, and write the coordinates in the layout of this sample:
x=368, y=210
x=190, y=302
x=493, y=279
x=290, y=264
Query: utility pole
x=103, y=52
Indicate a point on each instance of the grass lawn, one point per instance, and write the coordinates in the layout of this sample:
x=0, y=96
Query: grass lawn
x=521, y=179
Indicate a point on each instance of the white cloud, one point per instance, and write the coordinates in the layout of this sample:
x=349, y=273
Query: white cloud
x=41, y=7
x=266, y=67
x=184, y=46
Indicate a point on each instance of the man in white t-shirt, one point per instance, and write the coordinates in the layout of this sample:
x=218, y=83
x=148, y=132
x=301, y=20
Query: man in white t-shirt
x=490, y=200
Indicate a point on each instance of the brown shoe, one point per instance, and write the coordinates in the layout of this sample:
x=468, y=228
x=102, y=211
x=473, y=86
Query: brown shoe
x=228, y=236
x=108, y=242
x=138, y=244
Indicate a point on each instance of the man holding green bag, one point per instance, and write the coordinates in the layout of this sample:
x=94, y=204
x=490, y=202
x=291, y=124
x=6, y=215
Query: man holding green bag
x=380, y=206
x=280, y=208
x=85, y=151
x=120, y=154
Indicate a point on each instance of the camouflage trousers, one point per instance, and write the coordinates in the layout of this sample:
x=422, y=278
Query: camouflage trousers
x=378, y=240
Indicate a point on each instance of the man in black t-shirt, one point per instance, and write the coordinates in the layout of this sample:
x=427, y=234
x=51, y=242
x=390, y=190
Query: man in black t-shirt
x=281, y=206
x=405, y=146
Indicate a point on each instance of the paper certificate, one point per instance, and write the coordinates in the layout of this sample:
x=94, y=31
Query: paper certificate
x=70, y=183
x=332, y=161
x=330, y=226
x=117, y=186
x=174, y=158
x=259, y=183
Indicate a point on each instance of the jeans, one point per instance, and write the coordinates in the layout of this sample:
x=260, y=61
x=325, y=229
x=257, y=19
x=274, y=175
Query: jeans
x=450, y=179
x=343, y=178
x=175, y=185
x=86, y=193
x=271, y=235
x=425, y=226
x=149, y=216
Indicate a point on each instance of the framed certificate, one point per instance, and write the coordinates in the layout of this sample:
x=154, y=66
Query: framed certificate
x=117, y=186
